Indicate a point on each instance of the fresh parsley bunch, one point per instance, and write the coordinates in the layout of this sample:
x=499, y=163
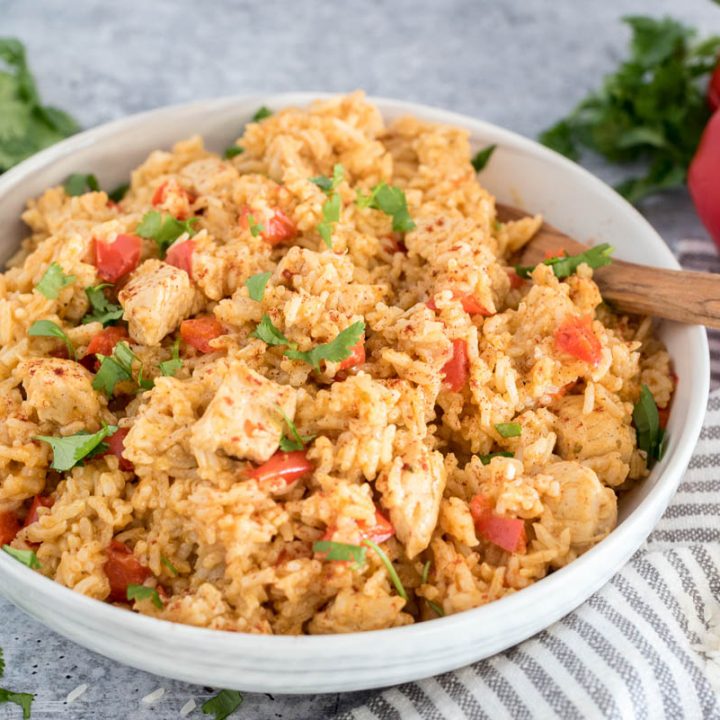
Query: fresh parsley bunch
x=652, y=109
x=26, y=125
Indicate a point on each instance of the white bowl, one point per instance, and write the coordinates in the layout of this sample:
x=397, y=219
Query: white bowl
x=522, y=173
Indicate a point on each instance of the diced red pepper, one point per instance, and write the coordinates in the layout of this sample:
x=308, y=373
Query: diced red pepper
x=356, y=357
x=116, y=259
x=704, y=178
x=180, y=255
x=469, y=304
x=199, y=331
x=122, y=568
x=105, y=341
x=161, y=195
x=9, y=527
x=38, y=501
x=714, y=89
x=516, y=281
x=279, y=229
x=554, y=253
x=506, y=533
x=158, y=197
x=395, y=244
x=116, y=447
x=381, y=531
x=287, y=466
x=576, y=337
x=457, y=368
x=664, y=416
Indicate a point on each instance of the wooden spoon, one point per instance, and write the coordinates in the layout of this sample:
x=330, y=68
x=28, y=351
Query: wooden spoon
x=687, y=297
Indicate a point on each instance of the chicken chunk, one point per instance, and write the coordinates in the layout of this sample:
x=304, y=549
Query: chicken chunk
x=585, y=505
x=411, y=491
x=157, y=298
x=60, y=391
x=243, y=419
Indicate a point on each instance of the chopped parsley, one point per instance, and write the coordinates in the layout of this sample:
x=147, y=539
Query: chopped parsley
x=118, y=367
x=233, y=151
x=392, y=572
x=485, y=459
x=170, y=367
x=256, y=285
x=23, y=700
x=223, y=705
x=79, y=184
x=329, y=185
x=650, y=436
x=509, y=430
x=435, y=608
x=295, y=441
x=53, y=281
x=141, y=592
x=262, y=113
x=47, y=328
x=102, y=310
x=171, y=568
x=481, y=157
x=392, y=201
x=118, y=193
x=28, y=126
x=69, y=451
x=268, y=333
x=344, y=552
x=334, y=351
x=26, y=557
x=330, y=215
x=164, y=229
x=426, y=572
x=566, y=265
x=255, y=227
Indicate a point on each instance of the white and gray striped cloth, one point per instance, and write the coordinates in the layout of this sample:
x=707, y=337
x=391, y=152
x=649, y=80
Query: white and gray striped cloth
x=645, y=647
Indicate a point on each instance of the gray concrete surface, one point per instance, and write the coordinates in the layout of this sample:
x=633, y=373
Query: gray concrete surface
x=518, y=63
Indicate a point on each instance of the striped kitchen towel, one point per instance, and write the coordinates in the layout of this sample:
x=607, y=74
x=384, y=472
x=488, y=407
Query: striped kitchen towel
x=645, y=647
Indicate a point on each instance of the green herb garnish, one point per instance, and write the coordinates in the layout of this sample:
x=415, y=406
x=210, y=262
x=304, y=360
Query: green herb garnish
x=256, y=285
x=268, y=333
x=652, y=109
x=435, y=608
x=481, y=157
x=164, y=229
x=344, y=552
x=334, y=351
x=103, y=311
x=392, y=572
x=26, y=125
x=79, y=184
x=47, y=328
x=392, y=201
x=425, y=572
x=650, y=436
x=224, y=704
x=262, y=113
x=171, y=568
x=140, y=592
x=233, y=151
x=295, y=441
x=509, y=430
x=26, y=557
x=69, y=451
x=566, y=265
x=119, y=192
x=485, y=459
x=170, y=367
x=328, y=185
x=53, y=281
x=330, y=215
x=255, y=227
x=118, y=367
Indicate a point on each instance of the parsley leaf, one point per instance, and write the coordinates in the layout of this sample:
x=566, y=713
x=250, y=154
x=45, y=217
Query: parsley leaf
x=256, y=285
x=26, y=126
x=651, y=110
x=425, y=572
x=233, y=151
x=328, y=185
x=164, y=229
x=344, y=552
x=392, y=201
x=481, y=157
x=53, y=281
x=223, y=705
x=170, y=367
x=650, y=436
x=485, y=459
x=103, y=311
x=330, y=215
x=118, y=193
x=435, y=608
x=509, y=430
x=296, y=441
x=566, y=265
x=79, y=184
x=334, y=351
x=140, y=592
x=118, y=367
x=47, y=328
x=23, y=700
x=268, y=333
x=392, y=572
x=69, y=451
x=255, y=227
x=26, y=557
x=262, y=113
x=171, y=568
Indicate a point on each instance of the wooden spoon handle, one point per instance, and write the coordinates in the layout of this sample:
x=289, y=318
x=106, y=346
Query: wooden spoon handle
x=687, y=297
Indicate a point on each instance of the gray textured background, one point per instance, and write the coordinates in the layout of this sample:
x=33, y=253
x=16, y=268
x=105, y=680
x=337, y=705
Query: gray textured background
x=517, y=63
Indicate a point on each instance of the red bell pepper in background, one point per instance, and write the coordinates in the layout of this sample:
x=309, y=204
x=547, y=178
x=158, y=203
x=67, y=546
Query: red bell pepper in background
x=704, y=173
x=714, y=89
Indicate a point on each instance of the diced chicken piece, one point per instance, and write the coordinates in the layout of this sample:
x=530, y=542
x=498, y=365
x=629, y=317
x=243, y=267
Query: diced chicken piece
x=411, y=492
x=60, y=391
x=243, y=418
x=157, y=298
x=585, y=505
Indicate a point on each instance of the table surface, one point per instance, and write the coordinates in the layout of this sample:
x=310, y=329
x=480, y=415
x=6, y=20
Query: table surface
x=519, y=63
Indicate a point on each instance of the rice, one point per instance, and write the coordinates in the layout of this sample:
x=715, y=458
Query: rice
x=398, y=438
